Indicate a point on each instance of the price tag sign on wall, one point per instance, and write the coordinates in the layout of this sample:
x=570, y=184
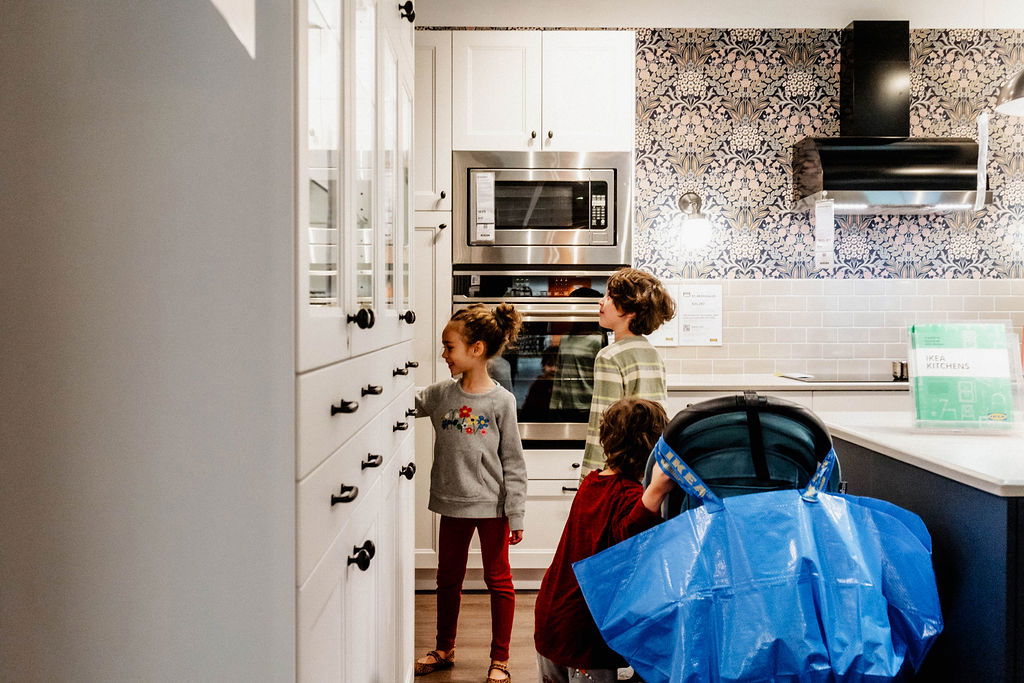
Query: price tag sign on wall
x=824, y=234
x=699, y=312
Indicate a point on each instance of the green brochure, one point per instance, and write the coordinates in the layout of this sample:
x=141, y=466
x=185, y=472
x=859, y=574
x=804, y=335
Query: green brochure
x=960, y=375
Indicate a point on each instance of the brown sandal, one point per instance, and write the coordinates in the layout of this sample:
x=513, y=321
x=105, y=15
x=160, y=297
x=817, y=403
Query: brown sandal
x=499, y=667
x=438, y=664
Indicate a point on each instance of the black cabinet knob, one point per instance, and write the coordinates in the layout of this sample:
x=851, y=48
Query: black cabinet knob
x=364, y=318
x=409, y=316
x=399, y=371
x=400, y=427
x=533, y=134
x=443, y=194
x=551, y=134
x=348, y=494
x=406, y=11
x=344, y=407
x=372, y=460
x=374, y=389
x=442, y=226
x=409, y=471
x=567, y=489
x=412, y=363
x=575, y=465
x=367, y=547
x=410, y=412
x=361, y=555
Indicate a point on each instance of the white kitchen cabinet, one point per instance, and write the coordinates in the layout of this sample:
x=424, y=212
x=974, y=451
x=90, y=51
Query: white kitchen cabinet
x=496, y=90
x=543, y=90
x=433, y=172
x=354, y=193
x=588, y=88
x=354, y=356
x=432, y=298
x=845, y=401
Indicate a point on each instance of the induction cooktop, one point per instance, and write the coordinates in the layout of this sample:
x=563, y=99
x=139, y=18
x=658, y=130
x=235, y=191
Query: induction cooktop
x=840, y=377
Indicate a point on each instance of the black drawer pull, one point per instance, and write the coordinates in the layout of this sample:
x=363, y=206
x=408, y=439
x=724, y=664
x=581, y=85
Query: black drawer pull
x=575, y=465
x=410, y=412
x=399, y=371
x=348, y=494
x=361, y=555
x=412, y=363
x=374, y=389
x=372, y=460
x=409, y=316
x=400, y=427
x=406, y=11
x=344, y=407
x=367, y=547
x=567, y=489
x=364, y=318
x=409, y=471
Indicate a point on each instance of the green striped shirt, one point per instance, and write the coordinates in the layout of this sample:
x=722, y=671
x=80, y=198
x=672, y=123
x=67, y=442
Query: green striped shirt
x=628, y=367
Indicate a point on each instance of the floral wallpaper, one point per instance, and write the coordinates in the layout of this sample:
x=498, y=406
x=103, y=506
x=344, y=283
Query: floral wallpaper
x=718, y=112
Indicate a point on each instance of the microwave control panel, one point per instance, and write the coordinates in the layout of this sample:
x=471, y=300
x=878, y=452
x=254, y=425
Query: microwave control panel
x=599, y=210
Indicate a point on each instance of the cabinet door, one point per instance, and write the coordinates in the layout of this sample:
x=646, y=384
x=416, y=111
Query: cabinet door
x=406, y=310
x=321, y=268
x=405, y=572
x=588, y=92
x=432, y=292
x=496, y=90
x=395, y=573
x=433, y=120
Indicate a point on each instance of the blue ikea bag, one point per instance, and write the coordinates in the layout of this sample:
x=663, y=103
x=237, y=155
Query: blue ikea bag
x=778, y=586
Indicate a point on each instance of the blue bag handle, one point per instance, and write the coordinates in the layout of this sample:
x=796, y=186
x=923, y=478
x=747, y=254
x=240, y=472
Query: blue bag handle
x=673, y=465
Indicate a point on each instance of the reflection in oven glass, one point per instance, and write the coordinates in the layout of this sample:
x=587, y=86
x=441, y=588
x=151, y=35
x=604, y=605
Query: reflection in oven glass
x=550, y=370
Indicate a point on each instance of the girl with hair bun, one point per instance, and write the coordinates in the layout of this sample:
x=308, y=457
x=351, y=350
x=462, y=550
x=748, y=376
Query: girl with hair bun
x=478, y=479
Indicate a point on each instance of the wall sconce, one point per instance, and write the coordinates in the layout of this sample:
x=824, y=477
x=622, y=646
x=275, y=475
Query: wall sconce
x=1011, y=97
x=695, y=228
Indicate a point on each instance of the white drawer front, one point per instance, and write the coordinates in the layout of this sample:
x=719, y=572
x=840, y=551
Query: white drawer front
x=397, y=424
x=323, y=508
x=336, y=401
x=553, y=464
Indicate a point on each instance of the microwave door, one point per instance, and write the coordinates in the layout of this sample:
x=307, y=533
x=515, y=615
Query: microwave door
x=531, y=207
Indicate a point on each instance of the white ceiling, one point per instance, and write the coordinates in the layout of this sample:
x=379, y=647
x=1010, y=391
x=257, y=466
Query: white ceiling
x=720, y=14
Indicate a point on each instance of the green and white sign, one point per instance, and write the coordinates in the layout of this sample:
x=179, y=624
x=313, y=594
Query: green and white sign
x=961, y=374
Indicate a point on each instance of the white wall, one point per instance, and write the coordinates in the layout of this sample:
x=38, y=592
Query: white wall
x=146, y=344
x=703, y=14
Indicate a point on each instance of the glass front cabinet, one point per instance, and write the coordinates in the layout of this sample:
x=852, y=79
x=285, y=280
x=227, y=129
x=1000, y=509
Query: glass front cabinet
x=354, y=193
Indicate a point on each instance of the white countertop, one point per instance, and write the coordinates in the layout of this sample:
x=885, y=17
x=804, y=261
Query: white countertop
x=765, y=382
x=991, y=462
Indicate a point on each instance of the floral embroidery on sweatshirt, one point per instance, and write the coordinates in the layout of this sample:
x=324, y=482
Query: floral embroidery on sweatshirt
x=464, y=420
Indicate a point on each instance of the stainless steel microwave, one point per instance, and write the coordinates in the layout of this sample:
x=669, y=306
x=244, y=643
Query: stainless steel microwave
x=542, y=208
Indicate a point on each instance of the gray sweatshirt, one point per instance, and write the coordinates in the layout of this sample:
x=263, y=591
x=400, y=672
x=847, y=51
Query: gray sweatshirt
x=479, y=470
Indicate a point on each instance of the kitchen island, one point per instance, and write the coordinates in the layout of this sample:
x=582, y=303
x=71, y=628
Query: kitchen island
x=969, y=490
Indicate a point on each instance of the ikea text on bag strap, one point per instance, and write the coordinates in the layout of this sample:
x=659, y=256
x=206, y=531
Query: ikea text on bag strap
x=673, y=465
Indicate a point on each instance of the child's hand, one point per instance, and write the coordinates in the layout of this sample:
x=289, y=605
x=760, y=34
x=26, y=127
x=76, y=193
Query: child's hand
x=515, y=537
x=656, y=491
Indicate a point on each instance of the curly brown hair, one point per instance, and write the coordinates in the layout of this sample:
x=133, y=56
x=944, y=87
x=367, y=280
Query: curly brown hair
x=643, y=295
x=629, y=429
x=494, y=327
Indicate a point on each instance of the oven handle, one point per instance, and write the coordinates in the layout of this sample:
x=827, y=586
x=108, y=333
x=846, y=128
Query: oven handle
x=544, y=313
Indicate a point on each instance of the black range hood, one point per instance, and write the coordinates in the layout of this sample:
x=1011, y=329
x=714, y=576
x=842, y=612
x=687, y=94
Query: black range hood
x=874, y=166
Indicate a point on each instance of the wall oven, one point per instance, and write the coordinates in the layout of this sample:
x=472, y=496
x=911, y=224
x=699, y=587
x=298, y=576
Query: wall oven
x=541, y=208
x=550, y=369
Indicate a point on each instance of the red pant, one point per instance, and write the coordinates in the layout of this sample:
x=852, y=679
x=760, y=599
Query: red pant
x=453, y=553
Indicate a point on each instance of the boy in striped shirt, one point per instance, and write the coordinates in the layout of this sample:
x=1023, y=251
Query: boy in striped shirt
x=635, y=303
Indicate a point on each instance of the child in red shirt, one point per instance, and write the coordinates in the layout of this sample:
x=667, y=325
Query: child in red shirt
x=610, y=506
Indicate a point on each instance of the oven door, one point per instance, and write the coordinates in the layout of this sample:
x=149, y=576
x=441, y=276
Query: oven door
x=550, y=369
x=565, y=207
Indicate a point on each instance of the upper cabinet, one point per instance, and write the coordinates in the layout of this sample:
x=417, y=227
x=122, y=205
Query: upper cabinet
x=543, y=90
x=354, y=108
x=433, y=120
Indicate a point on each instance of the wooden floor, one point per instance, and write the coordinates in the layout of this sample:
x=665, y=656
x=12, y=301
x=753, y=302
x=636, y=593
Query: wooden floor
x=472, y=648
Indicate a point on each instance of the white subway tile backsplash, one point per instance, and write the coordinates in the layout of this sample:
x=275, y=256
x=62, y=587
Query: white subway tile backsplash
x=825, y=326
x=884, y=303
x=727, y=367
x=759, y=367
x=791, y=334
x=932, y=287
x=774, y=319
x=868, y=318
x=759, y=334
x=806, y=319
x=854, y=303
